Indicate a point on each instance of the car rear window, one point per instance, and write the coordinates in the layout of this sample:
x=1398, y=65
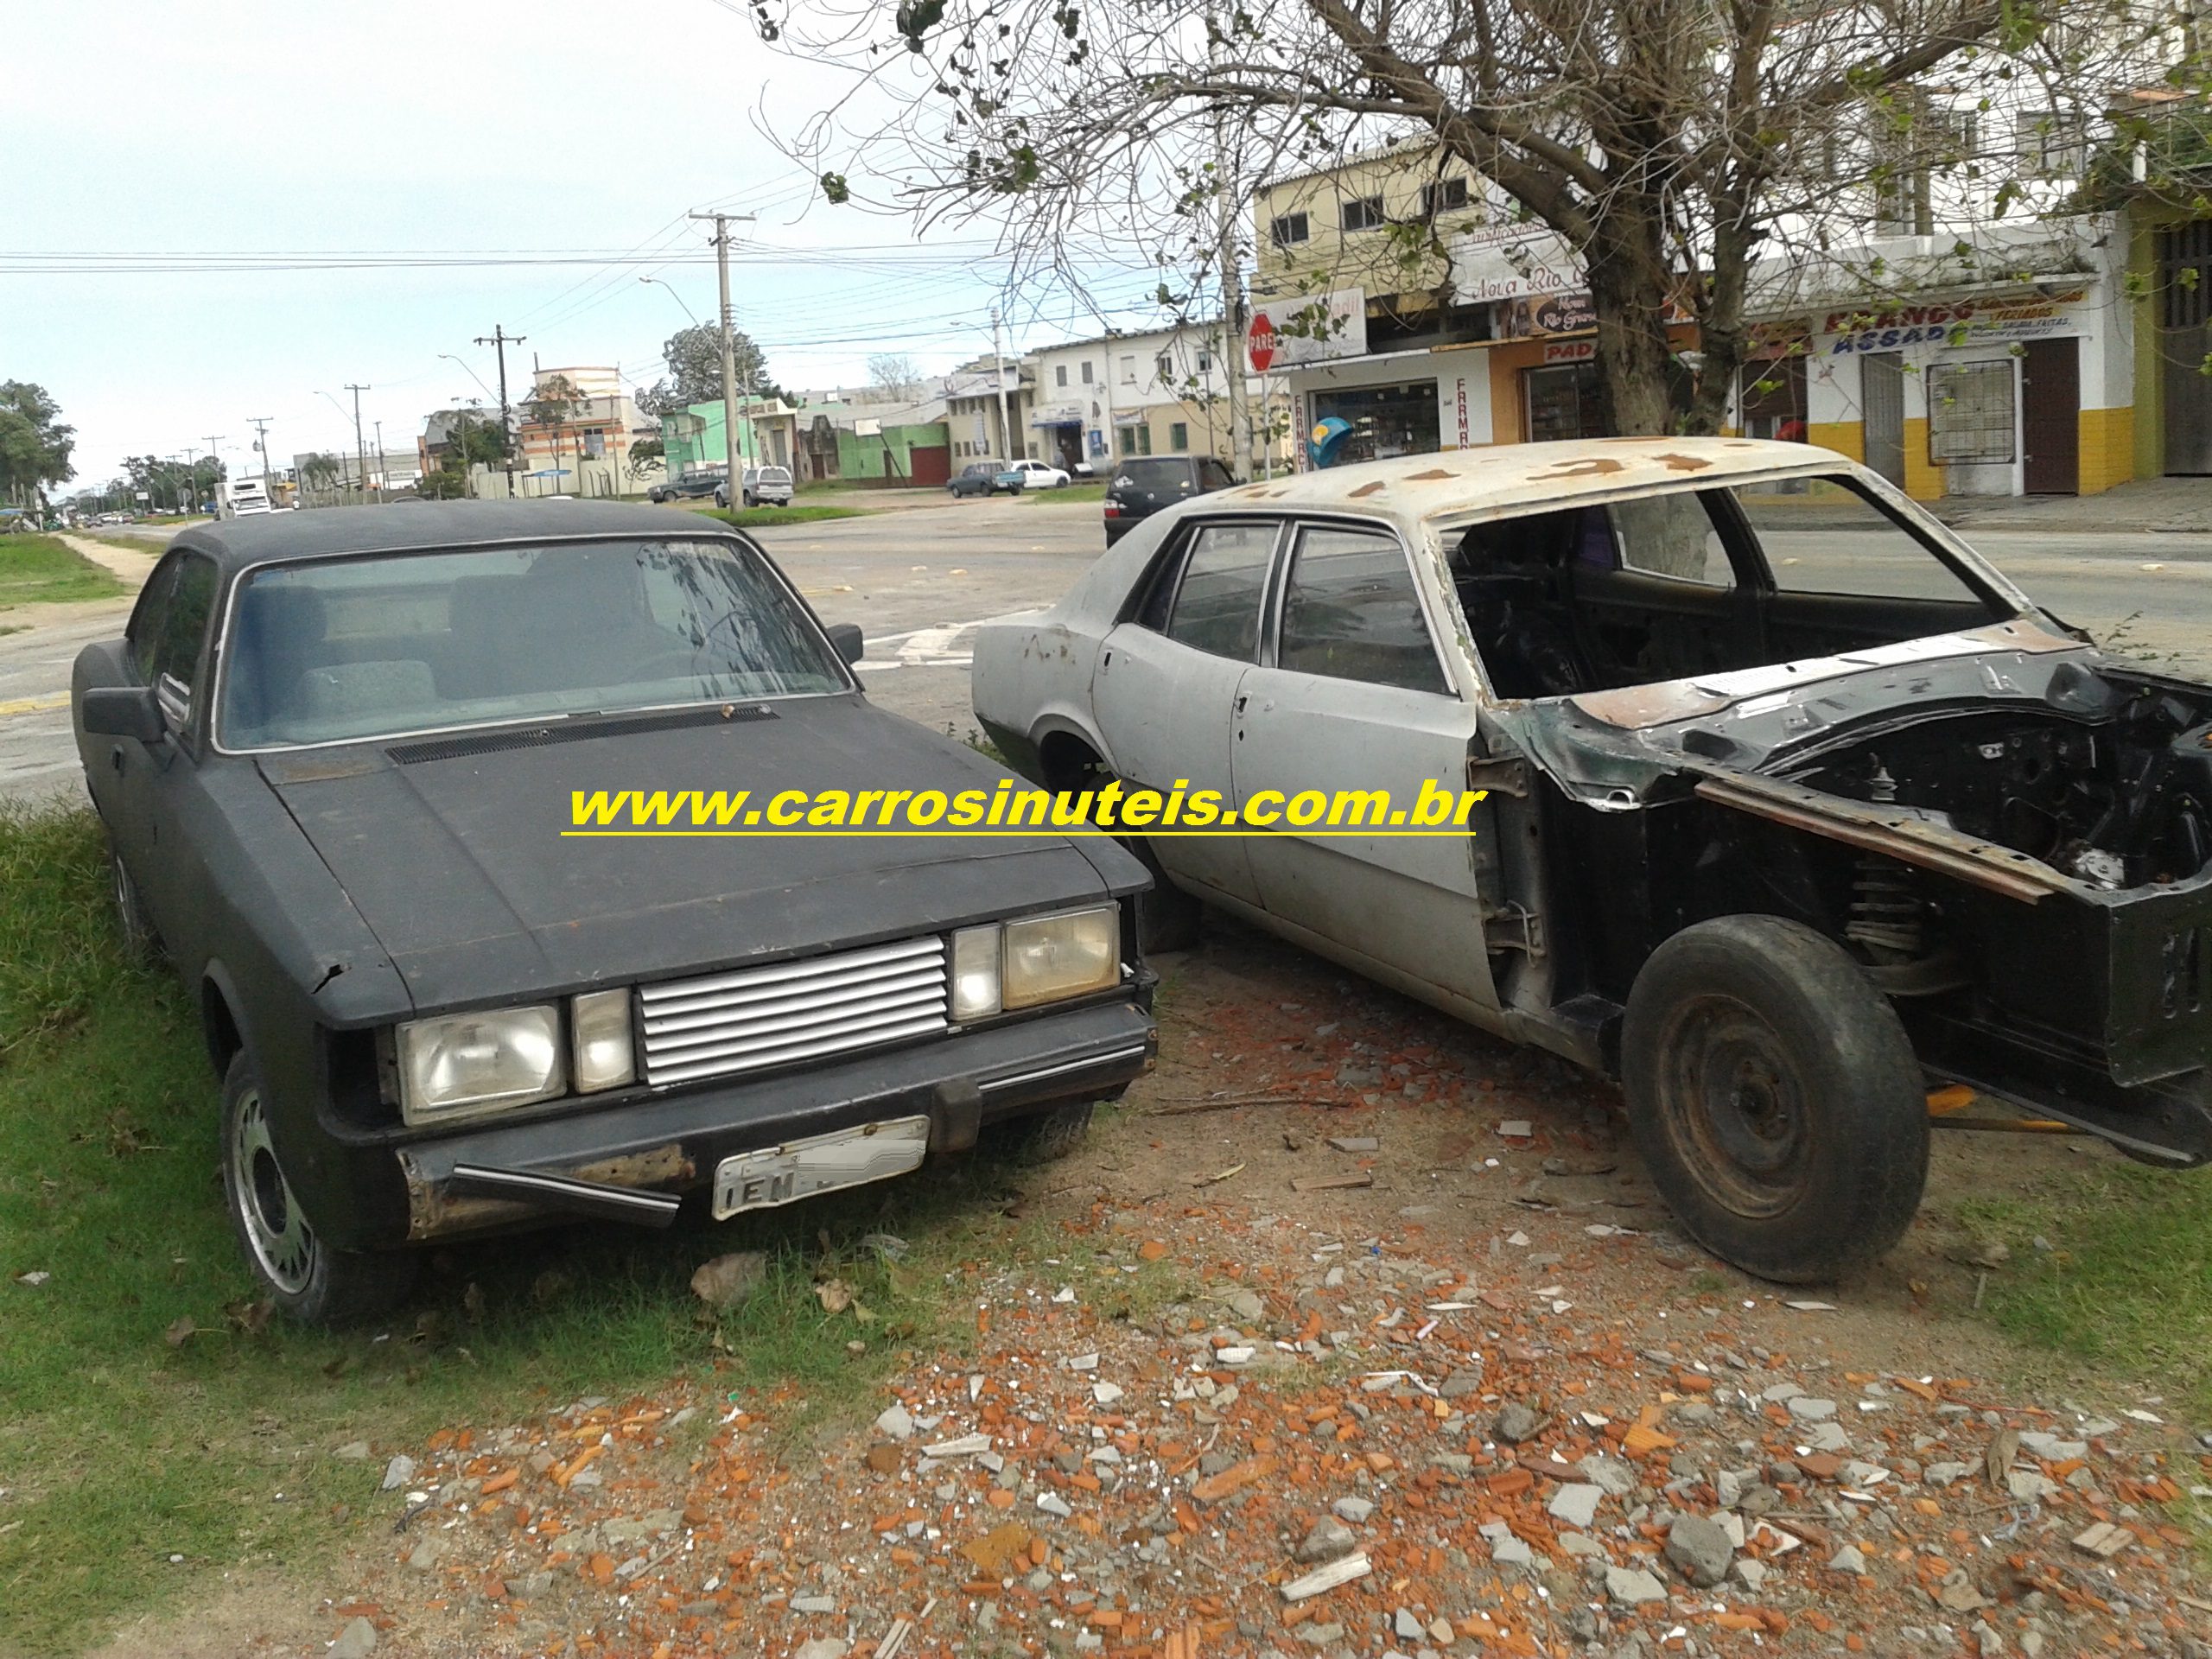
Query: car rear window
x=347, y=648
x=1155, y=475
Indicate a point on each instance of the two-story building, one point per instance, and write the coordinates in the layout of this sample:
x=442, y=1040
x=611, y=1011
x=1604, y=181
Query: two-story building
x=1162, y=392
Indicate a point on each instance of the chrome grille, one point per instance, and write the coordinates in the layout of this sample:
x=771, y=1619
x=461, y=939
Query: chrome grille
x=755, y=1018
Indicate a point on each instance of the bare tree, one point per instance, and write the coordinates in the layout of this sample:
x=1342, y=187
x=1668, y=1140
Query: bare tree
x=1671, y=145
x=894, y=372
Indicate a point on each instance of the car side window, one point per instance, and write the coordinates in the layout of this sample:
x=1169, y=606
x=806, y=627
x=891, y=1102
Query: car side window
x=1350, y=611
x=1671, y=535
x=150, y=615
x=1214, y=608
x=174, y=648
x=1214, y=476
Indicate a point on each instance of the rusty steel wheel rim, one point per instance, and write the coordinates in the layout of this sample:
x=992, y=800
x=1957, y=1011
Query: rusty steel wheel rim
x=1733, y=1102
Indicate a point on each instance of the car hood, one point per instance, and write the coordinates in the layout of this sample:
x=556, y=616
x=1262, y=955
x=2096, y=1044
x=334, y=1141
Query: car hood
x=452, y=853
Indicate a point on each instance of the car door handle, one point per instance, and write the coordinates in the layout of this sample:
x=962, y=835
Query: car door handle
x=115, y=757
x=1241, y=701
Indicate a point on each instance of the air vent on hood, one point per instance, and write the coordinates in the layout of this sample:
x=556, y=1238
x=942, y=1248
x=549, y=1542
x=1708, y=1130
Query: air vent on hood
x=572, y=731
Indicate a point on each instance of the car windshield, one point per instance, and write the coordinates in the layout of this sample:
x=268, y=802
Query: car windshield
x=347, y=648
x=1696, y=583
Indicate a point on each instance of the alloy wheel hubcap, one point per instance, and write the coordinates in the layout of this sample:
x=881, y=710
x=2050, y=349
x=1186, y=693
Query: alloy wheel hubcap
x=284, y=1245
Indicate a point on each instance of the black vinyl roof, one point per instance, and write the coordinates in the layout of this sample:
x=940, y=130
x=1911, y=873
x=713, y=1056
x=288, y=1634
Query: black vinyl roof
x=412, y=526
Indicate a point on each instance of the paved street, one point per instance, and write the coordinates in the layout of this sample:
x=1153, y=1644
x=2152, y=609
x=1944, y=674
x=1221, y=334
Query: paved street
x=918, y=582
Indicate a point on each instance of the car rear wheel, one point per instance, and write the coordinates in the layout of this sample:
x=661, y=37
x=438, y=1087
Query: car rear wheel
x=307, y=1280
x=1775, y=1098
x=139, y=938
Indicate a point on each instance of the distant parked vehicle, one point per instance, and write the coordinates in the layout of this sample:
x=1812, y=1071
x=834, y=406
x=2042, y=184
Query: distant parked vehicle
x=976, y=478
x=1143, y=485
x=689, y=486
x=1019, y=475
x=761, y=486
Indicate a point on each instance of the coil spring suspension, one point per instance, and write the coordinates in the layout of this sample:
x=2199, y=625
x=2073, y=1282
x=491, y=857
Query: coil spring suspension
x=1886, y=912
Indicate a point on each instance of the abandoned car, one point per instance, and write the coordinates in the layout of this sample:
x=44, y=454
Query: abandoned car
x=335, y=754
x=1794, y=809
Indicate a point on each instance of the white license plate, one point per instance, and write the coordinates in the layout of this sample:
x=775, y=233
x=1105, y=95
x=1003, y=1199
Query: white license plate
x=820, y=1163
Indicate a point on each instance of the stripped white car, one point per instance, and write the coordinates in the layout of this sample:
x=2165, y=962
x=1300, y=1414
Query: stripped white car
x=1795, y=807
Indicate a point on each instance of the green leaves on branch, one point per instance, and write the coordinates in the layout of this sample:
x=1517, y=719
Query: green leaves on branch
x=917, y=18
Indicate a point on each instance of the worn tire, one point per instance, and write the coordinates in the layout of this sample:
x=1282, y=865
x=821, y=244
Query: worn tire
x=140, y=940
x=1044, y=1137
x=307, y=1279
x=1775, y=1098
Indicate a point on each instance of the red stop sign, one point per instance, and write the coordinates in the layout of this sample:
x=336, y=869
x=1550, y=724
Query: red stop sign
x=1259, y=342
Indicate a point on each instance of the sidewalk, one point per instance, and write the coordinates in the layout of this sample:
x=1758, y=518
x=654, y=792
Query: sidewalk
x=2177, y=506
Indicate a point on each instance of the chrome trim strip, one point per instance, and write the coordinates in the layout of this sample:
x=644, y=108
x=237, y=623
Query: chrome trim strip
x=619, y=1203
x=1085, y=1064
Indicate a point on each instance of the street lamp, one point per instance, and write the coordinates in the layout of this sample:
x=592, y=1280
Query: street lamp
x=670, y=287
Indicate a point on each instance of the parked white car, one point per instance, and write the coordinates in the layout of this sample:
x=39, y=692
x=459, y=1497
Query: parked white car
x=1030, y=475
x=1790, y=807
x=758, y=486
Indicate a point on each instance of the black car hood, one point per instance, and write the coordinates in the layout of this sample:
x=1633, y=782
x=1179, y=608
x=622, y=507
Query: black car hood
x=457, y=862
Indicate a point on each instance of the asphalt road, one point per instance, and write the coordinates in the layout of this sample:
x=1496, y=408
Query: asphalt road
x=917, y=583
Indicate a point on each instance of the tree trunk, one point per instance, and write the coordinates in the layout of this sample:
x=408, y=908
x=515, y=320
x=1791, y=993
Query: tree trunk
x=1629, y=284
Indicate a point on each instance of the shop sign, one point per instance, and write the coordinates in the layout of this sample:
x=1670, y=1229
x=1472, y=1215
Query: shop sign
x=1308, y=328
x=1512, y=262
x=1571, y=350
x=1962, y=322
x=1462, y=428
x=1562, y=314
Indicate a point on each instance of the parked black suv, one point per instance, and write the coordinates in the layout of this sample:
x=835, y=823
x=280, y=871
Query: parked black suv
x=689, y=486
x=1143, y=485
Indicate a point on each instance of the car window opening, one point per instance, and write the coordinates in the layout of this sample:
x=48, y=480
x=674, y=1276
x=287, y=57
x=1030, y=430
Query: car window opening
x=1672, y=586
x=378, y=646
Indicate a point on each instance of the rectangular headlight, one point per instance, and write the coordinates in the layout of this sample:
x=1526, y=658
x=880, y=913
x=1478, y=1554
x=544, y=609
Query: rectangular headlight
x=1049, y=958
x=603, y=1057
x=975, y=973
x=462, y=1063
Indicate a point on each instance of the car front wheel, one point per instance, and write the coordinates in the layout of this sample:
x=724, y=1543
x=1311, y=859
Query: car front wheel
x=1775, y=1098
x=307, y=1280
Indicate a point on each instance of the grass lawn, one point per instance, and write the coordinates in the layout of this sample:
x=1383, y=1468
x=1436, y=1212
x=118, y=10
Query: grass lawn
x=2123, y=1277
x=145, y=544
x=754, y=518
x=157, y=1433
x=1076, y=492
x=38, y=570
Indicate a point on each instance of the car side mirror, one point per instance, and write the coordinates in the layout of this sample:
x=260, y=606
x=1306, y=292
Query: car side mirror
x=845, y=639
x=124, y=711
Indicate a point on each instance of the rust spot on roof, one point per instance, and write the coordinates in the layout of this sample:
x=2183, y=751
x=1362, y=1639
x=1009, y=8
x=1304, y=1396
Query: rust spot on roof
x=1374, y=487
x=1683, y=463
x=1430, y=476
x=1596, y=467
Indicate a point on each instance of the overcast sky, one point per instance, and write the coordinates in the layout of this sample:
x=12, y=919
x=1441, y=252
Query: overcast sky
x=154, y=127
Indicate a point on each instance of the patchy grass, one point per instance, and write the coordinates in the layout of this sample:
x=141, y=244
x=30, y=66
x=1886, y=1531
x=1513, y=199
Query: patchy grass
x=759, y=518
x=139, y=1463
x=2126, y=1279
x=41, y=570
x=1075, y=491
x=145, y=544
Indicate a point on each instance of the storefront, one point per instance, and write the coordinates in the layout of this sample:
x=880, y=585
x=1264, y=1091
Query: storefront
x=1406, y=404
x=2021, y=390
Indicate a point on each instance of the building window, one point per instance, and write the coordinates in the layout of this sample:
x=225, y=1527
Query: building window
x=1060, y=374
x=1205, y=362
x=2053, y=144
x=1135, y=440
x=1164, y=366
x=1288, y=230
x=1129, y=370
x=1086, y=372
x=1179, y=437
x=1970, y=411
x=1443, y=196
x=1361, y=213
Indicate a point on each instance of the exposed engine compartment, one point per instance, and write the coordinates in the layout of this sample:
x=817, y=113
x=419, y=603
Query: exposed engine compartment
x=2118, y=795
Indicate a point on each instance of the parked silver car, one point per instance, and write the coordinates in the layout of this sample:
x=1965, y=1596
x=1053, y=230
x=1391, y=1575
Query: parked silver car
x=760, y=486
x=1791, y=808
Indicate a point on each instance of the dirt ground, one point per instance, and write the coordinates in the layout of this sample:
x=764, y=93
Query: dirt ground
x=1222, y=1382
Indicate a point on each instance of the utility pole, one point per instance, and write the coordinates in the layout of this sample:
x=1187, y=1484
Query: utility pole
x=1232, y=356
x=998, y=373
x=721, y=222
x=215, y=474
x=260, y=425
x=502, y=338
x=380, y=466
x=360, y=448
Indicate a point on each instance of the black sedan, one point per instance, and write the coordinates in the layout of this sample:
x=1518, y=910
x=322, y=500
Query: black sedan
x=335, y=753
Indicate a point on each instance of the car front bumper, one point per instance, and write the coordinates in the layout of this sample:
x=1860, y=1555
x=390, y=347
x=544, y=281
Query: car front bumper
x=632, y=1162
